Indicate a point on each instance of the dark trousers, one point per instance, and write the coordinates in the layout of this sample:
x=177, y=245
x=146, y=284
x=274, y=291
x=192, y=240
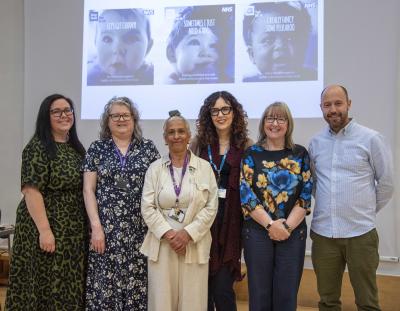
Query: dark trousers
x=274, y=269
x=220, y=291
x=329, y=258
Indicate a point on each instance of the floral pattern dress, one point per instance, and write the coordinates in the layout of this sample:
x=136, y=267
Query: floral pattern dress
x=117, y=279
x=275, y=181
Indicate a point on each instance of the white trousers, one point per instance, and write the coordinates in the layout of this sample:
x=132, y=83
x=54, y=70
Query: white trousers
x=175, y=285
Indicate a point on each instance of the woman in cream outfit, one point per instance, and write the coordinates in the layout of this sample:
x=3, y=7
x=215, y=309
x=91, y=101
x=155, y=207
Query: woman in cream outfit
x=179, y=204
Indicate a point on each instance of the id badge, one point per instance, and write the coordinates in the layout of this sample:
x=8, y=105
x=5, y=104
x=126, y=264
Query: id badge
x=222, y=193
x=121, y=183
x=178, y=216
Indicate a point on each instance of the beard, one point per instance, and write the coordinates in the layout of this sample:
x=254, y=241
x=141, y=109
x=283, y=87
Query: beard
x=337, y=120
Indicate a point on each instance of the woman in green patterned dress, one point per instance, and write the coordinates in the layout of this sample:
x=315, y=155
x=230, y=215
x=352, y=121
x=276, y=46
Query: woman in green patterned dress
x=50, y=245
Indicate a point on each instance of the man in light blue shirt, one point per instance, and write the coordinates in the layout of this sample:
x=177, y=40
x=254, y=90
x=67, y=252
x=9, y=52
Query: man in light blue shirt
x=353, y=178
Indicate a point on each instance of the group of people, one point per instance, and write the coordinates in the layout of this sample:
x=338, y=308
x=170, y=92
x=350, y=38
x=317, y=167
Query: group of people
x=200, y=47
x=120, y=228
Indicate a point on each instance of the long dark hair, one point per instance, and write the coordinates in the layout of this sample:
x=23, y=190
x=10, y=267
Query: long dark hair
x=206, y=132
x=43, y=127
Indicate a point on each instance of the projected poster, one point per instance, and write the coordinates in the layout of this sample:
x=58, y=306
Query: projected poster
x=167, y=57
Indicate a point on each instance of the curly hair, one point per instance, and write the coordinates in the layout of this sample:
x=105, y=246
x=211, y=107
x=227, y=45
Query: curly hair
x=124, y=101
x=206, y=131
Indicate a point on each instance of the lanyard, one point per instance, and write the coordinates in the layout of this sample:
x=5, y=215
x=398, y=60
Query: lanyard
x=121, y=157
x=176, y=187
x=214, y=165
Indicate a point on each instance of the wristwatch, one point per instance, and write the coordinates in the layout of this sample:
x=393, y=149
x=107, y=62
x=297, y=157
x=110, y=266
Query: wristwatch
x=269, y=225
x=287, y=227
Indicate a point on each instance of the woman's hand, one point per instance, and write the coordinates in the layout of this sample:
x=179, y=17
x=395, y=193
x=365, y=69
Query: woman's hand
x=277, y=231
x=179, y=242
x=97, y=239
x=174, y=244
x=47, y=242
x=169, y=235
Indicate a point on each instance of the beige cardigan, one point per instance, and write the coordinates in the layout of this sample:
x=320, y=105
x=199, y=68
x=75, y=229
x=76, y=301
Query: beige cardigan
x=200, y=214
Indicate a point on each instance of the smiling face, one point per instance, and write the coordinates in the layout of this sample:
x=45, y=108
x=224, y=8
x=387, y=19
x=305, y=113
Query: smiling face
x=222, y=123
x=121, y=128
x=335, y=107
x=176, y=135
x=122, y=44
x=197, y=53
x=276, y=126
x=273, y=50
x=61, y=124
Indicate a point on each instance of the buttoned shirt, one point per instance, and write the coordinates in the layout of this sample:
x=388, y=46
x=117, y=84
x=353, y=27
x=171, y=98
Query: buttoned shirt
x=353, y=178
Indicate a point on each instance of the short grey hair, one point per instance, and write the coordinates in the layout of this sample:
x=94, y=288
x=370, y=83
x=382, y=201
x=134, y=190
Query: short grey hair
x=105, y=132
x=176, y=117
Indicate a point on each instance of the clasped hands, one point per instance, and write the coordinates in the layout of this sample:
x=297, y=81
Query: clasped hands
x=178, y=240
x=277, y=231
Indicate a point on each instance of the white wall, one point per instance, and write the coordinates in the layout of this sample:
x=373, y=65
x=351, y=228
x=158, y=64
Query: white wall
x=11, y=104
x=361, y=52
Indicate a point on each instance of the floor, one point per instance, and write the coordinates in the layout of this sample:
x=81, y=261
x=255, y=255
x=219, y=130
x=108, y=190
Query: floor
x=3, y=290
x=242, y=305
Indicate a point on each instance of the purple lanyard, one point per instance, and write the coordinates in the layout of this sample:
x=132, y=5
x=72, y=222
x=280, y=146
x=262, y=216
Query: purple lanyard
x=171, y=171
x=121, y=157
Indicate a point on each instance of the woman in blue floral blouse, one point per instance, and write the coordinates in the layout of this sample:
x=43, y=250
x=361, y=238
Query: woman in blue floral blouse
x=275, y=193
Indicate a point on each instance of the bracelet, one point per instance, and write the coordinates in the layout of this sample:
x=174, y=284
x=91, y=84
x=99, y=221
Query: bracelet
x=287, y=227
x=269, y=225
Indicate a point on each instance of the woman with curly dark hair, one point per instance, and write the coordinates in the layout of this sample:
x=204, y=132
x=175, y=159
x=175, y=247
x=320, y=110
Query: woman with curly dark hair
x=222, y=137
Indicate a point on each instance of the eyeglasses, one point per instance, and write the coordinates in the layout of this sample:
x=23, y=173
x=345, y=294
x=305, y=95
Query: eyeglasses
x=279, y=120
x=224, y=110
x=57, y=113
x=116, y=117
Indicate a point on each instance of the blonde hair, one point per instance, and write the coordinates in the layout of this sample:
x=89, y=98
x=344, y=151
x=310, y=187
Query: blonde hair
x=277, y=109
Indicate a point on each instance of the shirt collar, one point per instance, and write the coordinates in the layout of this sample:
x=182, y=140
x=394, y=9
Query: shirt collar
x=192, y=162
x=344, y=131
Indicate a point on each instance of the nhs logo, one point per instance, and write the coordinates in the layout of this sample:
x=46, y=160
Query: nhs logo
x=93, y=16
x=227, y=9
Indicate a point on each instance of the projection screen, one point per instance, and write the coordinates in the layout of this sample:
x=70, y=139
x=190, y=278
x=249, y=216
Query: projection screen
x=260, y=51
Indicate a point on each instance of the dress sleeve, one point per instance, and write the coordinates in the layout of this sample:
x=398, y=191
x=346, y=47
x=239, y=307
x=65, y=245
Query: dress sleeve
x=153, y=152
x=91, y=160
x=248, y=199
x=35, y=169
x=304, y=199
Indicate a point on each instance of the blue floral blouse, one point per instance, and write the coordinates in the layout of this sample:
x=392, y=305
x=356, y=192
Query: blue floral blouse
x=275, y=181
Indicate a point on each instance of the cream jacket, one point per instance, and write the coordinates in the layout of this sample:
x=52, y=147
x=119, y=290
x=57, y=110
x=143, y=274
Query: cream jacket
x=200, y=214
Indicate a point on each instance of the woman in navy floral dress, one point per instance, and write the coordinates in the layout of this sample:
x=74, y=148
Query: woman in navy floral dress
x=275, y=193
x=114, y=170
